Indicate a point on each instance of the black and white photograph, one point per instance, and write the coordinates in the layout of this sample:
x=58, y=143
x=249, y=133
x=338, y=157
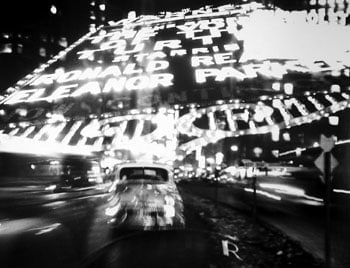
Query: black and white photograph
x=175, y=134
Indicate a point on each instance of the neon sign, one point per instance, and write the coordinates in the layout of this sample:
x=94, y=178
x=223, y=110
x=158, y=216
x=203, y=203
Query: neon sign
x=175, y=59
x=112, y=85
x=250, y=114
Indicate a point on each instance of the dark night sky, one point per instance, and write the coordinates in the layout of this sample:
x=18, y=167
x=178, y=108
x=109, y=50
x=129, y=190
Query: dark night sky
x=28, y=12
x=24, y=13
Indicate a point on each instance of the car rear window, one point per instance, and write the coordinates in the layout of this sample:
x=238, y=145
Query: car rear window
x=144, y=173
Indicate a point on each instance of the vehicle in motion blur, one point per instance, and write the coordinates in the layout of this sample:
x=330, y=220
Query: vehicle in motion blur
x=146, y=198
x=50, y=210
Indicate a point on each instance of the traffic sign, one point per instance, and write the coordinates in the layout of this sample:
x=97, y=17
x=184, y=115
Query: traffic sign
x=319, y=162
x=326, y=162
x=326, y=143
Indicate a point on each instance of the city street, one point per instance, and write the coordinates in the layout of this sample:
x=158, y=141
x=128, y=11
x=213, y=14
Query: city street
x=150, y=133
x=201, y=243
x=300, y=218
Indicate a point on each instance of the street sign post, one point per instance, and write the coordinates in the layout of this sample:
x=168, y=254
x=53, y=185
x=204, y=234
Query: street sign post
x=320, y=163
x=254, y=197
x=327, y=143
x=326, y=163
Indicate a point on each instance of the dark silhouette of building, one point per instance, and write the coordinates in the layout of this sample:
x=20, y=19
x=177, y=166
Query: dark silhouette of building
x=31, y=32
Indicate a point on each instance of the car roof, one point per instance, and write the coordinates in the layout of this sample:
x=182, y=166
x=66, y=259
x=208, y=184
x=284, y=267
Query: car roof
x=144, y=164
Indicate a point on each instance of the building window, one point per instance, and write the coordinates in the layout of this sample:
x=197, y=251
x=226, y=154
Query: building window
x=5, y=35
x=19, y=48
x=92, y=27
x=6, y=48
x=63, y=42
x=43, y=38
x=53, y=10
x=42, y=52
x=102, y=7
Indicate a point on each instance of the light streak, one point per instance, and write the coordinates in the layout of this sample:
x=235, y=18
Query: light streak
x=313, y=198
x=315, y=145
x=342, y=191
x=272, y=196
x=14, y=144
x=283, y=188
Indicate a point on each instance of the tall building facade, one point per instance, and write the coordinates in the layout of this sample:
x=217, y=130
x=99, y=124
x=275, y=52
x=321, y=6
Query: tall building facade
x=34, y=31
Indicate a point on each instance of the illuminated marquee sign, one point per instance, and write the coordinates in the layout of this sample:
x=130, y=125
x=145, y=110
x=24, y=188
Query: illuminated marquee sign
x=211, y=63
x=236, y=119
x=136, y=61
x=115, y=133
x=231, y=119
x=329, y=12
x=174, y=58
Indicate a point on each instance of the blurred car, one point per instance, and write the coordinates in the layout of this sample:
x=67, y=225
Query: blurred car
x=146, y=198
x=51, y=210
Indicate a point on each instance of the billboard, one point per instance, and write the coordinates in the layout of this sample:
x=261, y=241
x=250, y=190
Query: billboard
x=243, y=69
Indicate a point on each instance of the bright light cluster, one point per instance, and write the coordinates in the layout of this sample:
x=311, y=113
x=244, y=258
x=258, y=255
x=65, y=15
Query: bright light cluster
x=258, y=47
x=205, y=136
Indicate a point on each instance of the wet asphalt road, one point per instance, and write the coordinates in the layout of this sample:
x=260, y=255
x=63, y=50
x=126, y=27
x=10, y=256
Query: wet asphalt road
x=208, y=224
x=194, y=246
x=300, y=221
